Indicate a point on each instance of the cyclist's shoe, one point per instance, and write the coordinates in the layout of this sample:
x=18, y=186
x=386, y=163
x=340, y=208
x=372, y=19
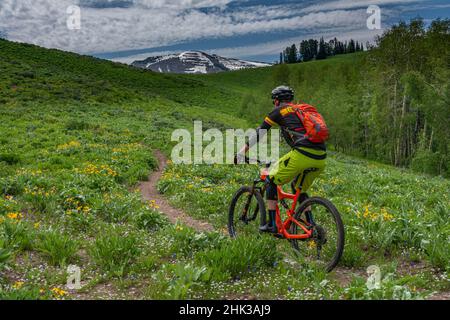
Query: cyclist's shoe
x=268, y=228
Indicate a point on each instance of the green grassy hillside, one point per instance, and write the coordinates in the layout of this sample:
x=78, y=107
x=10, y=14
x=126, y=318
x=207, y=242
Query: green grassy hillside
x=30, y=74
x=78, y=133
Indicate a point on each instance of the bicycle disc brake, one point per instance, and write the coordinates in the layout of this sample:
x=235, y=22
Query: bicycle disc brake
x=321, y=237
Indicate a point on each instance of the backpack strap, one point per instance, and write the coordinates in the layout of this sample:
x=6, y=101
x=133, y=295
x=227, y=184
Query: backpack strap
x=298, y=111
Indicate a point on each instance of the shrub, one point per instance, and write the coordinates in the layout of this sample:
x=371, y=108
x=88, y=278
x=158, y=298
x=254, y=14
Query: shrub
x=4, y=256
x=149, y=220
x=22, y=293
x=115, y=211
x=438, y=251
x=353, y=256
x=16, y=236
x=426, y=161
x=240, y=257
x=186, y=241
x=77, y=125
x=57, y=247
x=27, y=74
x=11, y=186
x=9, y=158
x=185, y=278
x=114, y=251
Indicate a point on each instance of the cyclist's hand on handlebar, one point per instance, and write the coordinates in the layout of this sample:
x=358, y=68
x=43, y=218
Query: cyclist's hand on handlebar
x=241, y=159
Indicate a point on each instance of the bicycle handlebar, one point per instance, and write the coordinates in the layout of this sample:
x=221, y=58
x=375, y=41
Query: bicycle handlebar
x=248, y=161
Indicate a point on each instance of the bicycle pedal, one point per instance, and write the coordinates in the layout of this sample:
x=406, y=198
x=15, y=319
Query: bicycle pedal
x=278, y=235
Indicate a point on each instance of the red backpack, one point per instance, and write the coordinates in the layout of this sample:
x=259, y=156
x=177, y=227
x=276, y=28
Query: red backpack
x=314, y=123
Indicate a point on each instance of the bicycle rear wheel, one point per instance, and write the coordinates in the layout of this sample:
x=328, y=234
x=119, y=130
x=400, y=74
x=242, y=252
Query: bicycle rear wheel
x=243, y=219
x=326, y=246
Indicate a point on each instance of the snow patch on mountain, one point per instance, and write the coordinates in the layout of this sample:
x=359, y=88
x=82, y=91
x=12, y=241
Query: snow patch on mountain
x=195, y=62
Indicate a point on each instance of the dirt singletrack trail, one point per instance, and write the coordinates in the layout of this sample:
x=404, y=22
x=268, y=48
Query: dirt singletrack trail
x=150, y=192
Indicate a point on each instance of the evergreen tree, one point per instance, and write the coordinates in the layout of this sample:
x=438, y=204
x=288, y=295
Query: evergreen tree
x=286, y=55
x=293, y=53
x=351, y=46
x=313, y=48
x=304, y=51
x=322, y=53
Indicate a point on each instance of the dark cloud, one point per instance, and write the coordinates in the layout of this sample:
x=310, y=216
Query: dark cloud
x=106, y=3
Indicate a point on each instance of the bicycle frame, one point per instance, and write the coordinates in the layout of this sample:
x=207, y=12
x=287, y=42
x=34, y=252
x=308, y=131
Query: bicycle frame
x=283, y=226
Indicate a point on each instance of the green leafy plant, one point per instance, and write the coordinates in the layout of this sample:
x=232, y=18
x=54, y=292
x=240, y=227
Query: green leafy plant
x=16, y=235
x=186, y=277
x=240, y=257
x=57, y=247
x=150, y=220
x=187, y=241
x=4, y=256
x=114, y=251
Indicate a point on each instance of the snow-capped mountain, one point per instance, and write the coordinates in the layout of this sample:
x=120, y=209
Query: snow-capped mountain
x=195, y=62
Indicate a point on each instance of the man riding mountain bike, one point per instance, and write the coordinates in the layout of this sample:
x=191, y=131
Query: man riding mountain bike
x=305, y=137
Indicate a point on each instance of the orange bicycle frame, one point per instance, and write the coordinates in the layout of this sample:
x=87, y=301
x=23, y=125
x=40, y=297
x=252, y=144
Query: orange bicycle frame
x=283, y=226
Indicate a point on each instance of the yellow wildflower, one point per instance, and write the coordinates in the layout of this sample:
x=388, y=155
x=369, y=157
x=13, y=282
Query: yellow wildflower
x=366, y=213
x=92, y=169
x=152, y=204
x=86, y=209
x=18, y=284
x=386, y=216
x=58, y=292
x=15, y=215
x=312, y=245
x=69, y=145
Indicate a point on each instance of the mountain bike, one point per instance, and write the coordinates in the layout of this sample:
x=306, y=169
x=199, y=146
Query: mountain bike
x=313, y=227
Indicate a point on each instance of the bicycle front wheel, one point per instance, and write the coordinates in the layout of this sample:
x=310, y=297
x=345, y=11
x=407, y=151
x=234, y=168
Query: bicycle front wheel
x=245, y=207
x=326, y=246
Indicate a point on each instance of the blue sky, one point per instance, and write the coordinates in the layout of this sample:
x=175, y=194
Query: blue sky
x=126, y=30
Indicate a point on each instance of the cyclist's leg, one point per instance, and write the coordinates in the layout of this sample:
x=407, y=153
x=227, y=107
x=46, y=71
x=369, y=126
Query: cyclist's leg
x=286, y=169
x=292, y=165
x=309, y=179
x=281, y=172
x=303, y=162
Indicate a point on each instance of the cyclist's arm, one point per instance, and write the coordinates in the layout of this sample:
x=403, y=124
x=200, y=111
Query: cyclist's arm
x=261, y=131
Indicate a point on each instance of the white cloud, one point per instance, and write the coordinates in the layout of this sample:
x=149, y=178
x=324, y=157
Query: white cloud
x=152, y=23
x=182, y=4
x=269, y=48
x=121, y=25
